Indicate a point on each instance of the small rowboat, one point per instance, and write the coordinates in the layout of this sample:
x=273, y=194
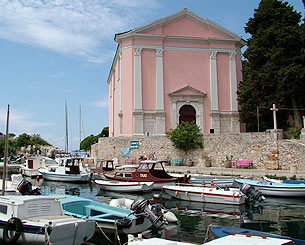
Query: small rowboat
x=206, y=194
x=121, y=186
x=287, y=181
x=222, y=231
x=275, y=189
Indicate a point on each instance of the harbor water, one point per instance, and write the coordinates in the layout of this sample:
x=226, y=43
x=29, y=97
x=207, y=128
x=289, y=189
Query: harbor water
x=285, y=216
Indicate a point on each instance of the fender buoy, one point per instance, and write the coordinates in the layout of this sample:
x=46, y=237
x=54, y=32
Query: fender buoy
x=177, y=193
x=13, y=224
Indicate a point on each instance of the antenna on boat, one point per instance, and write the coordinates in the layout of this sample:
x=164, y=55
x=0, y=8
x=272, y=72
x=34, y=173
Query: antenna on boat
x=5, y=151
x=66, y=142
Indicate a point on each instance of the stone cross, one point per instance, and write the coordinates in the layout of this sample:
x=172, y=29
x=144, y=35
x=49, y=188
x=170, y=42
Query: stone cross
x=274, y=109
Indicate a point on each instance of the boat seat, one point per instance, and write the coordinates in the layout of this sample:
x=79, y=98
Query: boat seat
x=100, y=213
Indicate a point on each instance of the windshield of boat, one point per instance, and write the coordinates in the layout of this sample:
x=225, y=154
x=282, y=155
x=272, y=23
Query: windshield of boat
x=143, y=167
x=157, y=166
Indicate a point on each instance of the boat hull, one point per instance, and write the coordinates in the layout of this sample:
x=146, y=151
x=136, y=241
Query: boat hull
x=36, y=234
x=124, y=186
x=30, y=172
x=66, y=177
x=156, y=186
x=209, y=195
x=275, y=189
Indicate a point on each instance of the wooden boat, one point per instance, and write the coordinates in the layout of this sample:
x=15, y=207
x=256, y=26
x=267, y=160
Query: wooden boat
x=221, y=231
x=40, y=220
x=206, y=194
x=123, y=186
x=68, y=169
x=287, y=181
x=147, y=171
x=275, y=189
x=108, y=219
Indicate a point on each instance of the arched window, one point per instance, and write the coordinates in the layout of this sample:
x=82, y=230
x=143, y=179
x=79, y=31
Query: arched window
x=187, y=113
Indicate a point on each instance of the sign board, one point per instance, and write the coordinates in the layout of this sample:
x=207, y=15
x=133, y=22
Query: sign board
x=134, y=144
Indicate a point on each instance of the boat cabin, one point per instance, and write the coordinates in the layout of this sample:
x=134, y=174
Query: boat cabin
x=104, y=166
x=67, y=166
x=26, y=207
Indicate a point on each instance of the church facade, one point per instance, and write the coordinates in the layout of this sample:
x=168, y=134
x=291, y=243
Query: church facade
x=178, y=68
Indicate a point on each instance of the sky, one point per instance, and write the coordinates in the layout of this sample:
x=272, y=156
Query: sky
x=57, y=51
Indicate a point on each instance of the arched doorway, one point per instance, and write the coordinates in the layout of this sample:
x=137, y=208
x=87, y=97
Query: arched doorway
x=187, y=113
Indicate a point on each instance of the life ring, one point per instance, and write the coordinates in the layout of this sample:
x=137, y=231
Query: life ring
x=13, y=224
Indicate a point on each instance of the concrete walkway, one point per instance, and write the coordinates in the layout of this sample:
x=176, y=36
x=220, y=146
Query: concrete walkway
x=242, y=172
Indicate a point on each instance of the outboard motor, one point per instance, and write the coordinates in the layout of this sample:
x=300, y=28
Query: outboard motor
x=25, y=188
x=251, y=193
x=140, y=206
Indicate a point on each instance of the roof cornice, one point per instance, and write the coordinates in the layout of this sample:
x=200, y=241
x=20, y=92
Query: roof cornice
x=184, y=12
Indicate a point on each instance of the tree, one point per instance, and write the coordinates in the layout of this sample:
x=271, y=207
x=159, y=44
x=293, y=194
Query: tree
x=90, y=140
x=186, y=136
x=105, y=132
x=273, y=72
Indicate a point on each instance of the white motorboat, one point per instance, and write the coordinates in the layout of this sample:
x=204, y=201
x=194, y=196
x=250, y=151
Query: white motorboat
x=121, y=186
x=275, y=189
x=31, y=165
x=206, y=194
x=40, y=220
x=68, y=169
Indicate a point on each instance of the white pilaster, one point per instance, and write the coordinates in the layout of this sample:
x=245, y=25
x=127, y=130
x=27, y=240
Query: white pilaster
x=213, y=80
x=137, y=79
x=120, y=57
x=233, y=81
x=159, y=80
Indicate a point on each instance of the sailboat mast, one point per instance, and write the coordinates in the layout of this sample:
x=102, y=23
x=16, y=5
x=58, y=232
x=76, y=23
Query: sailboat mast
x=5, y=151
x=80, y=125
x=67, y=144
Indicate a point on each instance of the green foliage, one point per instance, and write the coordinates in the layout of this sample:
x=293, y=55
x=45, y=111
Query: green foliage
x=186, y=136
x=23, y=140
x=90, y=140
x=273, y=72
x=105, y=132
x=295, y=132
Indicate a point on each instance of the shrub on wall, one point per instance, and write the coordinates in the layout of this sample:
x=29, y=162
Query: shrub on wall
x=186, y=136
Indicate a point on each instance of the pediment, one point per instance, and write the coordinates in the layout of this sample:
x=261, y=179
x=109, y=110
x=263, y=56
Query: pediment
x=184, y=23
x=187, y=91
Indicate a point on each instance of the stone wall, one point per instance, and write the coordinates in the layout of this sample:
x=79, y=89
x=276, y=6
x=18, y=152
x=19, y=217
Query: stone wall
x=264, y=149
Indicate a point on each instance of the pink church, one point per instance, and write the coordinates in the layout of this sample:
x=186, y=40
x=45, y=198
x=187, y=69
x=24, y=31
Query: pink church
x=178, y=68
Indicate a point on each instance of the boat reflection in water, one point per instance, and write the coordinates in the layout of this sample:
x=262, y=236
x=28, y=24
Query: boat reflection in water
x=212, y=208
x=244, y=212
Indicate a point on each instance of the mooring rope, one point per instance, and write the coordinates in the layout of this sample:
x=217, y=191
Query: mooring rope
x=103, y=232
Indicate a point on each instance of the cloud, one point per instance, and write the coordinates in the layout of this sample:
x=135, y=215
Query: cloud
x=21, y=122
x=102, y=103
x=77, y=27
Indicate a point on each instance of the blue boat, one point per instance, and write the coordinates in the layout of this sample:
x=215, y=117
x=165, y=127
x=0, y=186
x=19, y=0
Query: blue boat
x=108, y=219
x=275, y=189
x=222, y=231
